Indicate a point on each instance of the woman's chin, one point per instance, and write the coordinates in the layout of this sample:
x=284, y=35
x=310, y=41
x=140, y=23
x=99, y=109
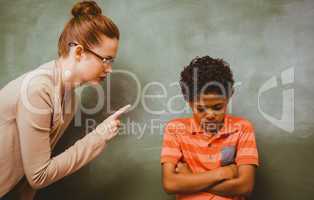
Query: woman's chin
x=95, y=82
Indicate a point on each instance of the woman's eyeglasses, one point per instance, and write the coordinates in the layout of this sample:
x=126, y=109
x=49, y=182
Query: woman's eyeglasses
x=107, y=61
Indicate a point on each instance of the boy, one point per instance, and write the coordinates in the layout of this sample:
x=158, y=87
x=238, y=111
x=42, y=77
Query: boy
x=211, y=155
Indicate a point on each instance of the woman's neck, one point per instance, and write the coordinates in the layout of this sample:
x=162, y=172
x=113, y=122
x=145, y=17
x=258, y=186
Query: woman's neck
x=68, y=82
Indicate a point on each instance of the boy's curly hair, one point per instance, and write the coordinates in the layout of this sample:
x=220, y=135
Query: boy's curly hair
x=206, y=75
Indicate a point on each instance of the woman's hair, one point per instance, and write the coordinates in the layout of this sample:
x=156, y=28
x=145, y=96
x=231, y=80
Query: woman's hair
x=86, y=27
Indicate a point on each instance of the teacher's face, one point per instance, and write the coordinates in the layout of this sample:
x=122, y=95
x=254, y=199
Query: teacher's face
x=94, y=64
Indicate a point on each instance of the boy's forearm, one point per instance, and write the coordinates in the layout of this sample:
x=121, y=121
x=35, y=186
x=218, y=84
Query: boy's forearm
x=242, y=185
x=230, y=188
x=190, y=183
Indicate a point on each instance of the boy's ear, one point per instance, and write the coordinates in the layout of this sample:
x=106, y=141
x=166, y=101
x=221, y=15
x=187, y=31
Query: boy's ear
x=190, y=103
x=232, y=92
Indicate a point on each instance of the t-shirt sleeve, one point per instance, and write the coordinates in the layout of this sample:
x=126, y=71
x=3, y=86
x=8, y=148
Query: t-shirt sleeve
x=170, y=151
x=246, y=149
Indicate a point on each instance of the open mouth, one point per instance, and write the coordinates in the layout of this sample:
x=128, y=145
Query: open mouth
x=102, y=78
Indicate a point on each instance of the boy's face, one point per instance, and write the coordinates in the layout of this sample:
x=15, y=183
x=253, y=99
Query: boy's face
x=209, y=111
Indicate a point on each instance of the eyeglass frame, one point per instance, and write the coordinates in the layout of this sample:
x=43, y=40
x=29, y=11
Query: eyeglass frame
x=104, y=60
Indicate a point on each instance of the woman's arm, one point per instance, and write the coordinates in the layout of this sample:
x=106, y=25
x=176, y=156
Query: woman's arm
x=34, y=132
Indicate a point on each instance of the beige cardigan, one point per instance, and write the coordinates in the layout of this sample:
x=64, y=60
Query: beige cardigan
x=33, y=117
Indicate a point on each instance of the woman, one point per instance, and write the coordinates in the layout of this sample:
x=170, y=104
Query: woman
x=37, y=107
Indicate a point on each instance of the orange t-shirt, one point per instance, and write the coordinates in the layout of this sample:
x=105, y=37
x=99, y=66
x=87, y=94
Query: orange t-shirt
x=185, y=141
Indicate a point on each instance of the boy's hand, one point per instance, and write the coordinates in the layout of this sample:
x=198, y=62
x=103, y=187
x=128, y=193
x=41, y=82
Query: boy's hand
x=183, y=168
x=229, y=172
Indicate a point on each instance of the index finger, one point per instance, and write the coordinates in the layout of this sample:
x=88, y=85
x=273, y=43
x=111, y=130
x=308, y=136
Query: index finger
x=119, y=112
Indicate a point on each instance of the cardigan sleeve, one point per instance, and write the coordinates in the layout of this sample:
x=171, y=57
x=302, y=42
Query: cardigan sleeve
x=34, y=122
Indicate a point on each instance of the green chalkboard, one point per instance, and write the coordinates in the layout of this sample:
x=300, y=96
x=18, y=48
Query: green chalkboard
x=268, y=43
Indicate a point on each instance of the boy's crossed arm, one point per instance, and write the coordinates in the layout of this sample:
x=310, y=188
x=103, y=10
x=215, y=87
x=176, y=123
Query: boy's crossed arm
x=228, y=181
x=241, y=185
x=175, y=181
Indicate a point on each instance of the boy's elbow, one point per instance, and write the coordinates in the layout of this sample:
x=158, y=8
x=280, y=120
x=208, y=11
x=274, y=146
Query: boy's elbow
x=169, y=186
x=246, y=190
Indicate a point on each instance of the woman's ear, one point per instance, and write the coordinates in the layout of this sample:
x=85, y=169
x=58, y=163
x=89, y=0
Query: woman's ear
x=78, y=52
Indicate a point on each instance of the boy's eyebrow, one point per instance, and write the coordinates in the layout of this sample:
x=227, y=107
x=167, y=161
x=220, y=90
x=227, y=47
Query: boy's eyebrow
x=217, y=104
x=213, y=106
x=209, y=106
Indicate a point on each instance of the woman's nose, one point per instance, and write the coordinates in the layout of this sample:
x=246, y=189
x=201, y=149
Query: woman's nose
x=108, y=69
